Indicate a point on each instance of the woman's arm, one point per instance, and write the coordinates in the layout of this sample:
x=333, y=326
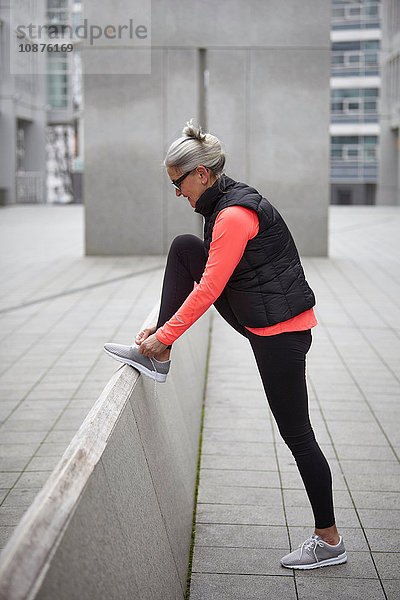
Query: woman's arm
x=233, y=228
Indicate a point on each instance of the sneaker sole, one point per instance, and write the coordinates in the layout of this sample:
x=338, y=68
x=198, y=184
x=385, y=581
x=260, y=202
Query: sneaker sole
x=338, y=560
x=159, y=377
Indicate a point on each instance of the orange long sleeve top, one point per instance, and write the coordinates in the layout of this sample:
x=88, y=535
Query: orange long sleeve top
x=233, y=228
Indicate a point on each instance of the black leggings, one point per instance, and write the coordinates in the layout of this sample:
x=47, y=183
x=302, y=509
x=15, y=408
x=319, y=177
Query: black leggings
x=281, y=360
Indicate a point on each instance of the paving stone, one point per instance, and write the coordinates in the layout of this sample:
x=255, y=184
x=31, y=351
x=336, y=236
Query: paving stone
x=20, y=497
x=240, y=514
x=11, y=515
x=377, y=499
x=347, y=589
x=371, y=467
x=249, y=463
x=3, y=493
x=353, y=432
x=223, y=494
x=21, y=437
x=236, y=435
x=372, y=452
x=28, y=425
x=388, y=564
x=238, y=448
x=244, y=536
x=380, y=518
x=209, y=586
x=247, y=561
x=32, y=479
x=379, y=481
x=17, y=450
x=257, y=479
x=51, y=449
x=8, y=478
x=383, y=540
x=392, y=588
x=43, y=463
x=58, y=436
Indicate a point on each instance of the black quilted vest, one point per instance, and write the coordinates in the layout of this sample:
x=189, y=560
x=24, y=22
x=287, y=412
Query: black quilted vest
x=268, y=284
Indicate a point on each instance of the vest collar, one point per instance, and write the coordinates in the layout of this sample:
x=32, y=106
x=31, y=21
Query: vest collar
x=205, y=205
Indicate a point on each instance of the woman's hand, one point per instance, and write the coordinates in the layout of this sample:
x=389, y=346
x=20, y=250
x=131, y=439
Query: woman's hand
x=143, y=335
x=151, y=346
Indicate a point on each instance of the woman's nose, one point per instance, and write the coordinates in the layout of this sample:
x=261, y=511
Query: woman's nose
x=178, y=192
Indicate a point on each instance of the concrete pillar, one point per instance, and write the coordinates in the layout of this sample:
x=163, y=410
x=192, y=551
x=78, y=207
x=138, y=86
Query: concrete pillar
x=267, y=99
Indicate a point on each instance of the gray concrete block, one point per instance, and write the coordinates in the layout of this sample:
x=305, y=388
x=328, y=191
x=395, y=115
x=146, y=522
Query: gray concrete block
x=382, y=499
x=249, y=463
x=392, y=588
x=42, y=463
x=145, y=536
x=383, y=540
x=20, y=451
x=222, y=494
x=210, y=586
x=51, y=449
x=357, y=452
x=165, y=461
x=248, y=561
x=244, y=536
x=237, y=435
x=32, y=480
x=8, y=479
x=101, y=559
x=380, y=518
x=370, y=482
x=20, y=497
x=347, y=589
x=240, y=514
x=238, y=448
x=225, y=477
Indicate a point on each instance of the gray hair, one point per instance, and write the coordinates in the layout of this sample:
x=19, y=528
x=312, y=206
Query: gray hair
x=196, y=148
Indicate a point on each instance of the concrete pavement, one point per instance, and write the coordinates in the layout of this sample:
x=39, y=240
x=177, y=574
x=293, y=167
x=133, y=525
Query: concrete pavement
x=57, y=309
x=251, y=503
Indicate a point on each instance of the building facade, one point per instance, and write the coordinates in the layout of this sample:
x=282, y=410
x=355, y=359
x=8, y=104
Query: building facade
x=355, y=100
x=389, y=155
x=40, y=110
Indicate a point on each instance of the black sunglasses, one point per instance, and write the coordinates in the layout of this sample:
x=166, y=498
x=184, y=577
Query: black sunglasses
x=177, y=182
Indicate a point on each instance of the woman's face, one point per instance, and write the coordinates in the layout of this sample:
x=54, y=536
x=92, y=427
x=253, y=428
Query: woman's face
x=194, y=184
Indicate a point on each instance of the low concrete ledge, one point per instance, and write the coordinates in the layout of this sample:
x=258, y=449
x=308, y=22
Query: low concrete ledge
x=114, y=519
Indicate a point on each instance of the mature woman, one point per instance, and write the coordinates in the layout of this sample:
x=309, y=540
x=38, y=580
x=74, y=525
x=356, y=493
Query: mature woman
x=249, y=268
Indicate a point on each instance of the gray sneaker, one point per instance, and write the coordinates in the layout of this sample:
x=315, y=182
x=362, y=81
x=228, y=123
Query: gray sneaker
x=148, y=366
x=314, y=553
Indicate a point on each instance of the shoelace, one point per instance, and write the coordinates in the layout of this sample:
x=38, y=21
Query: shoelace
x=311, y=544
x=155, y=381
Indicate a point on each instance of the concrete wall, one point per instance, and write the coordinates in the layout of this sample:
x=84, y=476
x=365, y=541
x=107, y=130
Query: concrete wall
x=267, y=99
x=114, y=520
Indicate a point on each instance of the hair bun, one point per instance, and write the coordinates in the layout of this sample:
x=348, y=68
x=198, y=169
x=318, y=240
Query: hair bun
x=193, y=132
